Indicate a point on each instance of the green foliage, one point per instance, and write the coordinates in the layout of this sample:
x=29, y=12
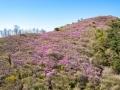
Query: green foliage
x=116, y=65
x=39, y=86
x=10, y=79
x=106, y=46
x=99, y=48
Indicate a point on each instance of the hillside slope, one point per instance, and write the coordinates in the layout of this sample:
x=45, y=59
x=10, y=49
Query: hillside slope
x=57, y=60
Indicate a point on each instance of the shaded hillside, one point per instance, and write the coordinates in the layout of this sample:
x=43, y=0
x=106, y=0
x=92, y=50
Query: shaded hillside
x=57, y=60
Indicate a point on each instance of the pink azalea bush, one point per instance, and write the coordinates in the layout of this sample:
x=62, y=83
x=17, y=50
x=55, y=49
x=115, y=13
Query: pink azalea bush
x=51, y=61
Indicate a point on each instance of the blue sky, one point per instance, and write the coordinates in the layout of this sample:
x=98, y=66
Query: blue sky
x=48, y=14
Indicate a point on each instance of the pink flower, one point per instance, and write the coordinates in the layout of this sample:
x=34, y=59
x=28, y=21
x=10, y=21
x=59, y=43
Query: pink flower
x=64, y=61
x=50, y=73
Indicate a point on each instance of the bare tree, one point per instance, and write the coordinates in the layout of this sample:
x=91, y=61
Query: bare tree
x=16, y=29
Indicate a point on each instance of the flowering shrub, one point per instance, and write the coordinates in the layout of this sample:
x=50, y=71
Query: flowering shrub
x=58, y=60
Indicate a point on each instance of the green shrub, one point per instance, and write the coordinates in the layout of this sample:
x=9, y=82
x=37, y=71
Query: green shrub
x=116, y=65
x=57, y=29
x=106, y=46
x=10, y=79
x=99, y=48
